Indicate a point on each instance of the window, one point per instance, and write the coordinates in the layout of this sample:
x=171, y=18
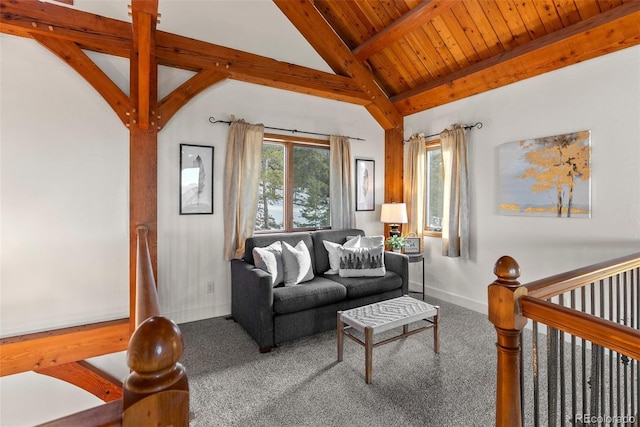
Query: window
x=294, y=184
x=435, y=197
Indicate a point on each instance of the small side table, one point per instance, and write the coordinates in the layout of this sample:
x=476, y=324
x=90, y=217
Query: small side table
x=417, y=258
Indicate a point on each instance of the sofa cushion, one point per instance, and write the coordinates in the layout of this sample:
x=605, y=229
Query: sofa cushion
x=297, y=263
x=269, y=259
x=364, y=286
x=320, y=254
x=316, y=293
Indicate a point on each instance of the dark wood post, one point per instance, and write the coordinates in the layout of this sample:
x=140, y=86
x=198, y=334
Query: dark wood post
x=505, y=315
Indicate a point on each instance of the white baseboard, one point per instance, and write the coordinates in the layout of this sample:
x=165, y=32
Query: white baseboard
x=465, y=302
x=199, y=313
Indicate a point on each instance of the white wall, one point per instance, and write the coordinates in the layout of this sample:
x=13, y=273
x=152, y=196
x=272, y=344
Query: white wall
x=601, y=95
x=64, y=196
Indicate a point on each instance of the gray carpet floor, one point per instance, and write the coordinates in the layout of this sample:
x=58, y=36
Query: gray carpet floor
x=301, y=384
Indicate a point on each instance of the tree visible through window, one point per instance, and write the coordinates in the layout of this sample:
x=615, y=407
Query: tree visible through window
x=294, y=185
x=434, y=198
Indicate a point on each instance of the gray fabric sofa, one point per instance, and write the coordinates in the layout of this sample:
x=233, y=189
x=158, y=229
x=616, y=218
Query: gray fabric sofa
x=273, y=315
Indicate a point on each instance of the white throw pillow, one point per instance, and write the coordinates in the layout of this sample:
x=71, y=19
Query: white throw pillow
x=371, y=241
x=332, y=251
x=269, y=259
x=297, y=263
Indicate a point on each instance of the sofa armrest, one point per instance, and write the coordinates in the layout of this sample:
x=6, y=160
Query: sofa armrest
x=252, y=301
x=399, y=264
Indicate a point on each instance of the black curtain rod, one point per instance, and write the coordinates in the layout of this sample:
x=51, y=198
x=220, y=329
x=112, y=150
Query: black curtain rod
x=478, y=125
x=213, y=120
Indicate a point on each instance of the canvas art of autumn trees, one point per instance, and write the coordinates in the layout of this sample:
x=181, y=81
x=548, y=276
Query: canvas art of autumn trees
x=543, y=174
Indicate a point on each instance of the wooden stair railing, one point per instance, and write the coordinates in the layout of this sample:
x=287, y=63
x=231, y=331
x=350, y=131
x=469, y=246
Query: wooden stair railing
x=156, y=392
x=511, y=305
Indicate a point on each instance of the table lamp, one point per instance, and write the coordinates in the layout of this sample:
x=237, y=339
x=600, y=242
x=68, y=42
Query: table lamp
x=394, y=214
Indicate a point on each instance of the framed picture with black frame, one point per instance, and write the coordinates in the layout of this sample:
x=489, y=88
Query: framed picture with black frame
x=365, y=185
x=196, y=179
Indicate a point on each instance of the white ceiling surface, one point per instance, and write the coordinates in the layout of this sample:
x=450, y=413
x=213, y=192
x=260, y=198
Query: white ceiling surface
x=255, y=26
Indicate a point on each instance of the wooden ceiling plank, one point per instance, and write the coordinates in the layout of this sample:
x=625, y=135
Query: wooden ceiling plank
x=186, y=53
x=609, y=32
x=531, y=19
x=453, y=44
x=417, y=67
x=608, y=4
x=441, y=48
x=462, y=36
x=31, y=17
x=171, y=103
x=485, y=29
x=587, y=9
x=548, y=15
x=497, y=22
x=434, y=69
x=70, y=53
x=567, y=11
x=310, y=23
x=469, y=28
x=407, y=23
x=514, y=21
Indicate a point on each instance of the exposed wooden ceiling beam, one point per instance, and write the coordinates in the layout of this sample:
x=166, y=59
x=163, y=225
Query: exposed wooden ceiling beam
x=313, y=27
x=191, y=54
x=608, y=32
x=114, y=37
x=94, y=32
x=410, y=21
x=52, y=348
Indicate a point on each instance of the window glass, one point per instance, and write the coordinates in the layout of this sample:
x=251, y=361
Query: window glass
x=294, y=185
x=434, y=188
x=270, y=215
x=310, y=187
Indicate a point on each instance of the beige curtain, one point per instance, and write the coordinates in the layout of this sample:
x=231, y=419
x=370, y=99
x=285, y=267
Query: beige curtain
x=415, y=184
x=340, y=187
x=241, y=180
x=455, y=224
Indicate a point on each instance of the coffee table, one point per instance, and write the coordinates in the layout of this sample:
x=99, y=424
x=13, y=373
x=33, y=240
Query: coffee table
x=381, y=316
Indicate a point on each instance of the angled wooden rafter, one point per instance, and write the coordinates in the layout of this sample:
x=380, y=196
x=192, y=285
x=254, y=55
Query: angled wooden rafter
x=315, y=29
x=171, y=103
x=410, y=21
x=69, y=52
x=88, y=377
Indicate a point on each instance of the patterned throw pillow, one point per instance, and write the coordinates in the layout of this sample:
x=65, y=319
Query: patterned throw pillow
x=297, y=263
x=269, y=259
x=361, y=262
x=332, y=251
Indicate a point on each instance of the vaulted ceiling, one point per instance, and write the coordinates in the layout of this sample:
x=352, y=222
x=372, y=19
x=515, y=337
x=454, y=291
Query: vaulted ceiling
x=395, y=57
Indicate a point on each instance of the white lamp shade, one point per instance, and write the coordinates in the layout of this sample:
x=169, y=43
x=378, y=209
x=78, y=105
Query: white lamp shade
x=394, y=213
